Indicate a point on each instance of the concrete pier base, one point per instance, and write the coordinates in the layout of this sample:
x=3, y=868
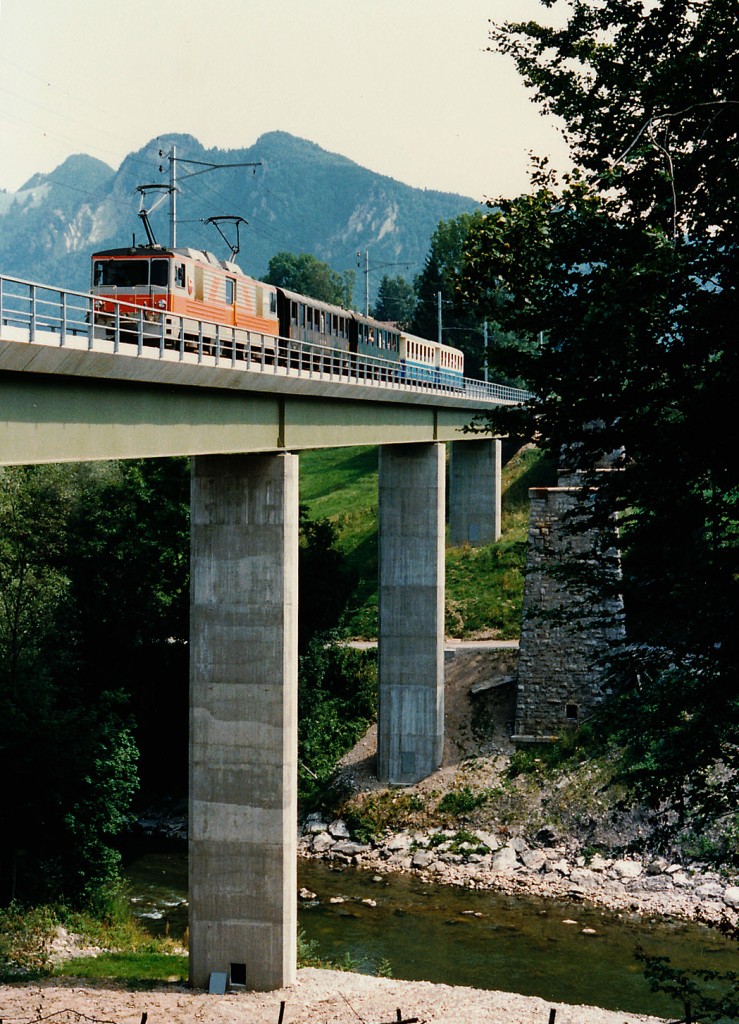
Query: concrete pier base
x=410, y=733
x=243, y=720
x=474, y=492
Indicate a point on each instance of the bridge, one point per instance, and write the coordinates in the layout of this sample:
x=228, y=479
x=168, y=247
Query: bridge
x=73, y=388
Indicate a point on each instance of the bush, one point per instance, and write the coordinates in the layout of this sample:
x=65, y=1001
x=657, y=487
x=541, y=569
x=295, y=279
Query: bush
x=26, y=935
x=337, y=703
x=461, y=801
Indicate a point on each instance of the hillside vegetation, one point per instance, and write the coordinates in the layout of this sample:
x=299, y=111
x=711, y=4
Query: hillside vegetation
x=484, y=586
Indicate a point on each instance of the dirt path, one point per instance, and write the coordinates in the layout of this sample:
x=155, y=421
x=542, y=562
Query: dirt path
x=318, y=997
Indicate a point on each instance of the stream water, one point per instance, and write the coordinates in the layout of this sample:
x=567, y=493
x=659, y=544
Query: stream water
x=563, y=952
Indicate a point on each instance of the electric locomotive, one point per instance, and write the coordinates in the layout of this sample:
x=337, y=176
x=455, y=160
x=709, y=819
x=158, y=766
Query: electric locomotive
x=199, y=298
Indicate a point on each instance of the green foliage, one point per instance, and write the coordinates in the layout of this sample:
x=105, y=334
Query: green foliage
x=325, y=581
x=705, y=995
x=26, y=934
x=377, y=812
x=308, y=275
x=136, y=969
x=93, y=623
x=627, y=273
x=396, y=300
x=337, y=698
x=484, y=589
x=460, y=801
x=542, y=760
x=460, y=328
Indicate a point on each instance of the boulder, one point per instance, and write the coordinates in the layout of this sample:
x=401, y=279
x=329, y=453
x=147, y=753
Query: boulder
x=505, y=859
x=627, y=868
x=422, y=858
x=534, y=860
x=338, y=829
x=731, y=896
x=322, y=842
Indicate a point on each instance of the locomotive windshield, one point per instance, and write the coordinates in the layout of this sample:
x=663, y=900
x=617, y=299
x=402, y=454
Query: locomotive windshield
x=131, y=273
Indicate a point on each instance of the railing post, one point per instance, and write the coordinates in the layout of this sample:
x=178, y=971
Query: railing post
x=182, y=338
x=63, y=319
x=32, y=313
x=140, y=331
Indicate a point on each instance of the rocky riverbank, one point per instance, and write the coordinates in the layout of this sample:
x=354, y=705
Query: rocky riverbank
x=478, y=859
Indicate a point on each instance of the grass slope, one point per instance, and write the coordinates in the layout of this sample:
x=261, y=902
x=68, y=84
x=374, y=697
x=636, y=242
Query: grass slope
x=484, y=586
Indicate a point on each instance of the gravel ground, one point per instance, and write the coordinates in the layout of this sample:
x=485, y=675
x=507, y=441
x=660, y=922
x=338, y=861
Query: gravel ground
x=318, y=997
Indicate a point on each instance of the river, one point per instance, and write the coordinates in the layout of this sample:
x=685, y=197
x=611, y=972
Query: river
x=564, y=952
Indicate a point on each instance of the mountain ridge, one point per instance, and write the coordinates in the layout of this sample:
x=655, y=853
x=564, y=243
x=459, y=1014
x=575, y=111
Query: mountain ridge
x=299, y=197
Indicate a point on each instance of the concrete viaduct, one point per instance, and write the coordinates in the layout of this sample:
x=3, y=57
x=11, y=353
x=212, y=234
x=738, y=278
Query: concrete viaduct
x=68, y=397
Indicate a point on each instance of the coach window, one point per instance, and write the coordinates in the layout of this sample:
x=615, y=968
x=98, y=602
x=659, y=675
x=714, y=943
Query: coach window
x=230, y=291
x=179, y=275
x=294, y=312
x=328, y=323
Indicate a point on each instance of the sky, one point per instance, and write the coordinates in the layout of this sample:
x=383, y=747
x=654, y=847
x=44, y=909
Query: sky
x=402, y=87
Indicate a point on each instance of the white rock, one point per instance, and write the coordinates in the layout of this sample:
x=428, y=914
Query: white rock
x=731, y=896
x=505, y=859
x=627, y=868
x=710, y=891
x=534, y=860
x=422, y=858
x=399, y=843
x=322, y=841
x=339, y=830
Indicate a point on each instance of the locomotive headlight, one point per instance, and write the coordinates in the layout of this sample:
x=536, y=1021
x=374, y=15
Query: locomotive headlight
x=98, y=303
x=162, y=304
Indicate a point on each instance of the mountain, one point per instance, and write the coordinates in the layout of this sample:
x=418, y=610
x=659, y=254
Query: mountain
x=298, y=198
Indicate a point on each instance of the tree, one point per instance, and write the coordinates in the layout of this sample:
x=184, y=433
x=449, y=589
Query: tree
x=628, y=272
x=309, y=276
x=324, y=580
x=396, y=300
x=128, y=559
x=461, y=328
x=72, y=760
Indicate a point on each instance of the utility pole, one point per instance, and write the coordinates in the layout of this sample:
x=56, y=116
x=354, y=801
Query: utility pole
x=173, y=197
x=205, y=165
x=438, y=314
x=485, y=351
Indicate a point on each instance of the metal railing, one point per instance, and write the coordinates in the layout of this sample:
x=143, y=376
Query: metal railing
x=38, y=314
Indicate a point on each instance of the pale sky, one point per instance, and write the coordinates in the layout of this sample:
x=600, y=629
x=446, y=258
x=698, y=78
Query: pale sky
x=402, y=87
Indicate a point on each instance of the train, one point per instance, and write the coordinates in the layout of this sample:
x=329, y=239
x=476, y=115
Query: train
x=211, y=305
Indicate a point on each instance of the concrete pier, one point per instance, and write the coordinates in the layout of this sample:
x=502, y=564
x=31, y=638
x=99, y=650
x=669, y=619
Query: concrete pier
x=411, y=612
x=474, y=492
x=243, y=720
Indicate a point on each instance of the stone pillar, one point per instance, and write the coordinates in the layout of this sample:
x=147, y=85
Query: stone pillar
x=243, y=719
x=410, y=732
x=474, y=492
x=572, y=614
